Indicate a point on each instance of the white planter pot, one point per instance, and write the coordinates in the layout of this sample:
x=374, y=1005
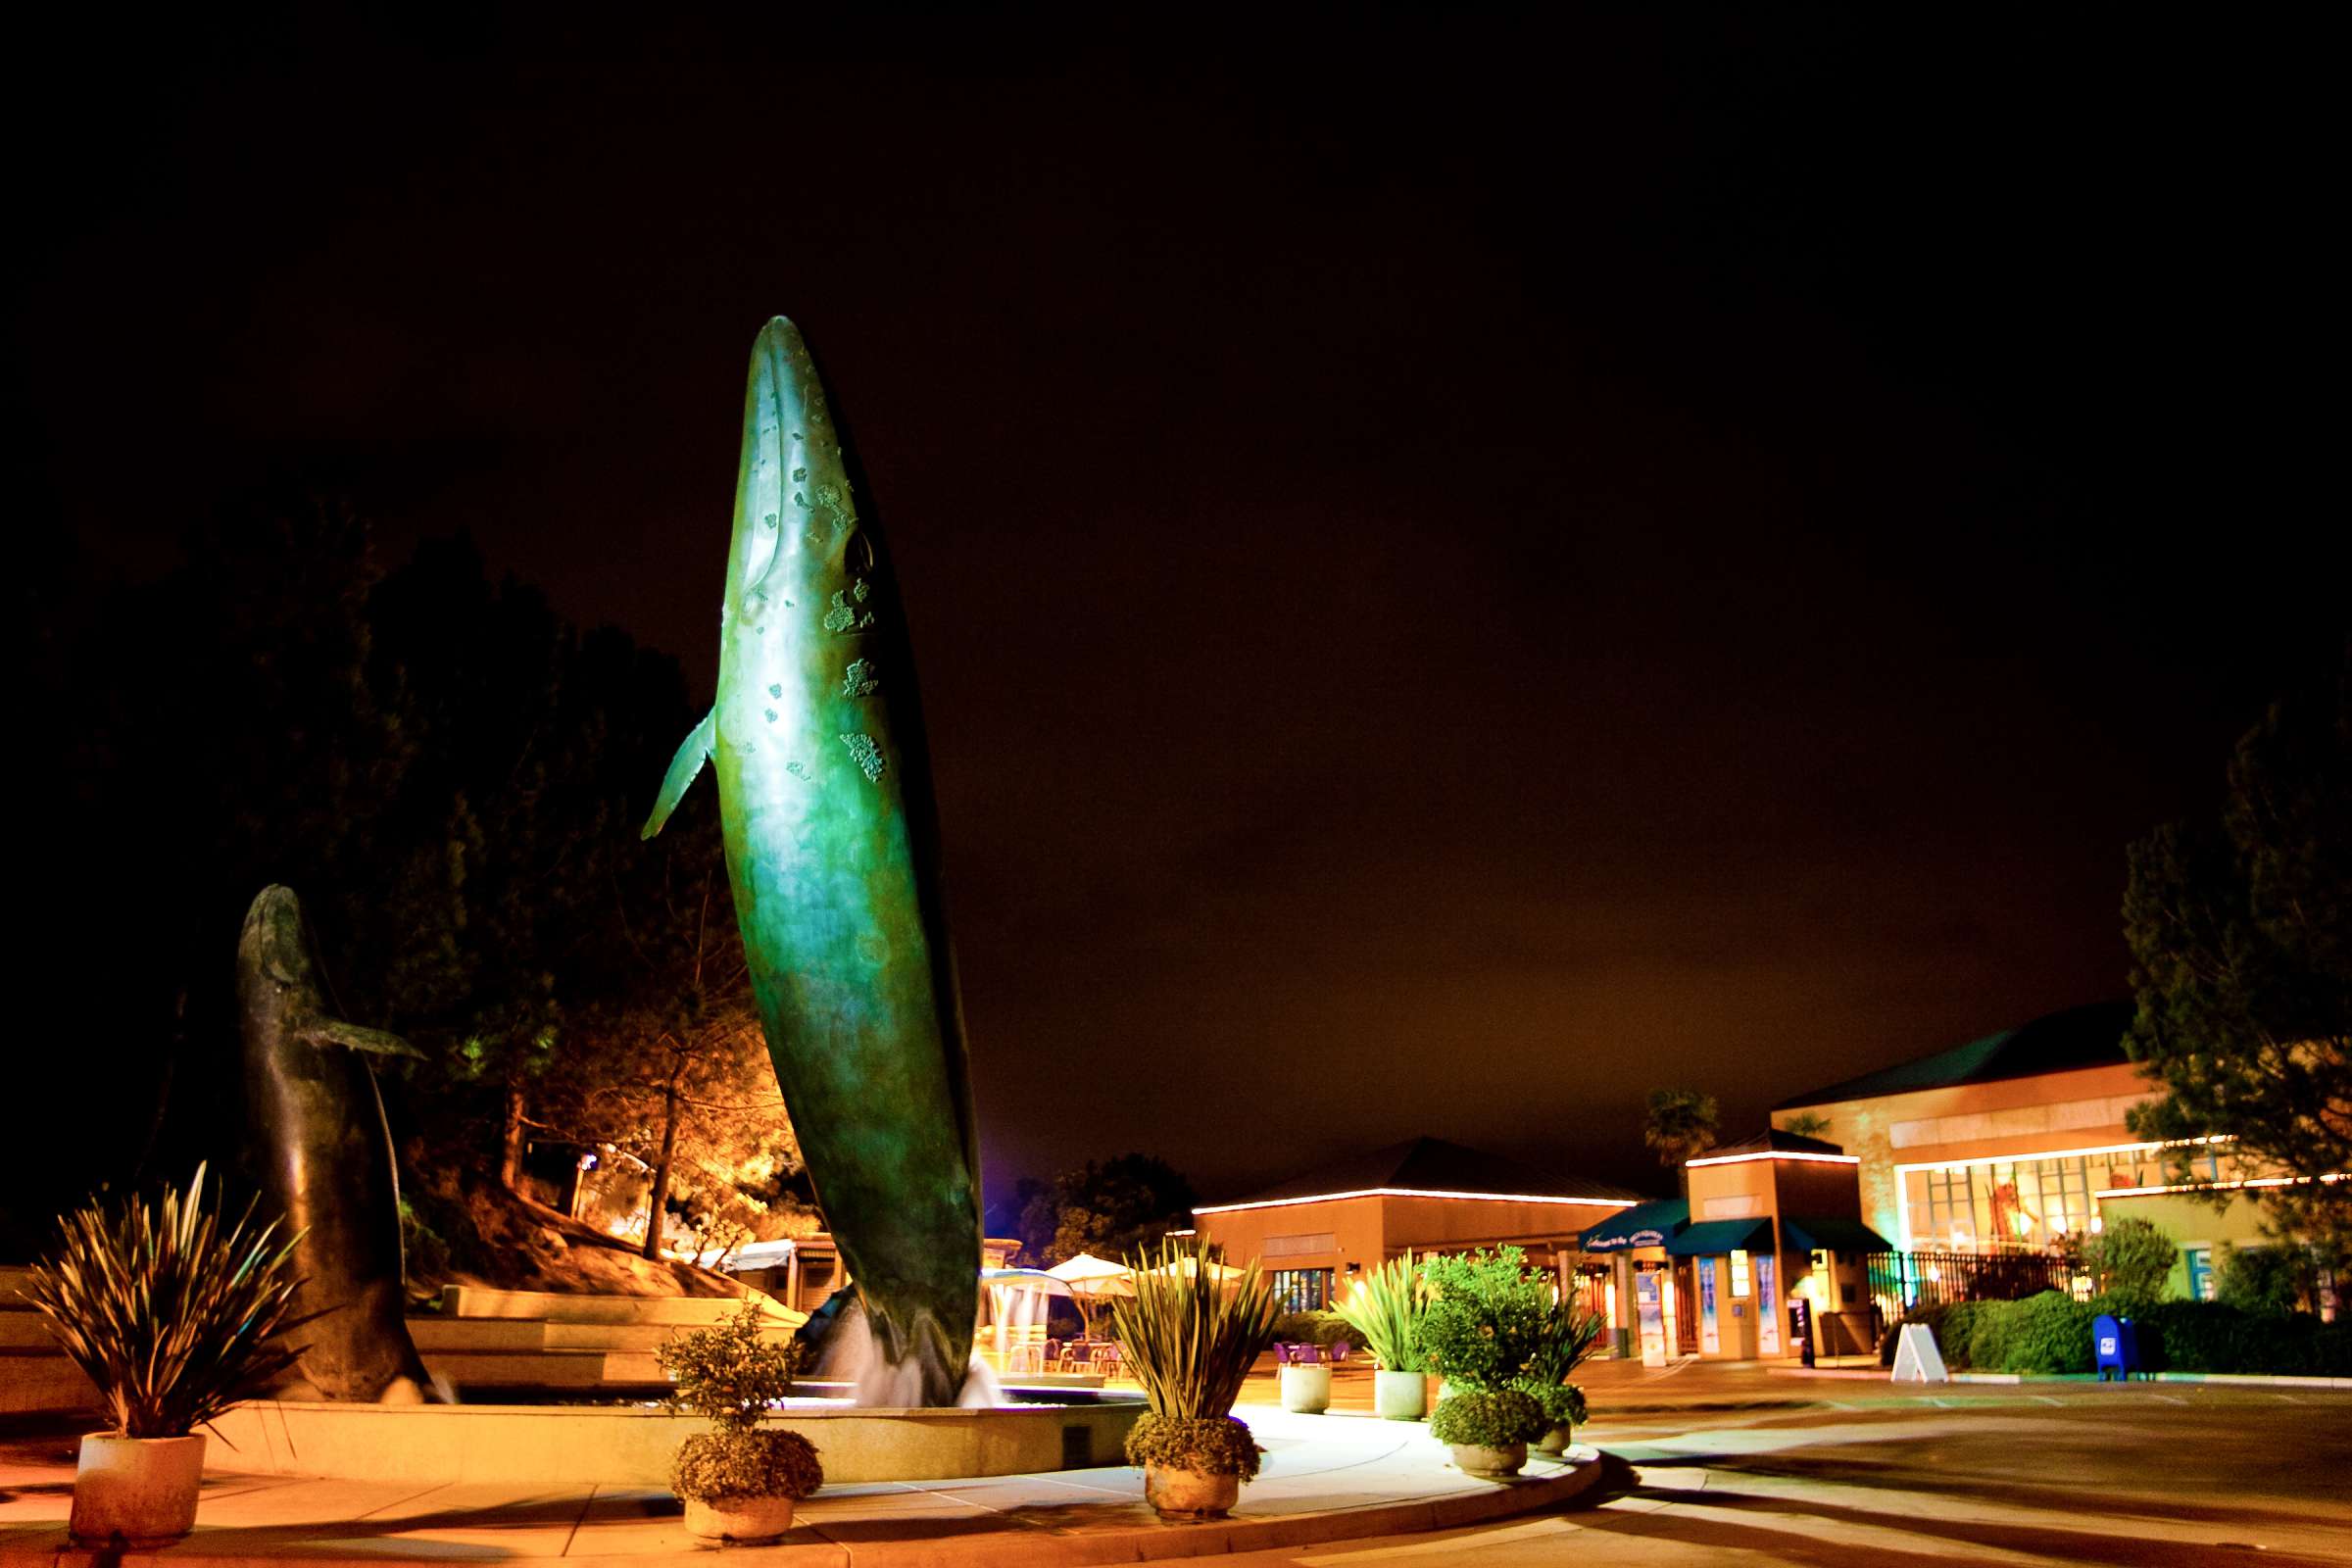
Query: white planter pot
x=1306, y=1390
x=1556, y=1441
x=1186, y=1496
x=745, y=1519
x=1493, y=1463
x=135, y=1492
x=1399, y=1395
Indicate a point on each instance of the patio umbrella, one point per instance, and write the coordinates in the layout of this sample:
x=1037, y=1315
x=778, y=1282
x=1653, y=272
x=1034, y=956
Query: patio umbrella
x=1088, y=1275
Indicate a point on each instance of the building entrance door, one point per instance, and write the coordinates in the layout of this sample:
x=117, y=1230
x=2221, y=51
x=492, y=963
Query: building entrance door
x=1686, y=1309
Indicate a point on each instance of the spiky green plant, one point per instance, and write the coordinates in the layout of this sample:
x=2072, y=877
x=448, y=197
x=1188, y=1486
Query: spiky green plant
x=172, y=1317
x=1385, y=1308
x=1566, y=1339
x=1190, y=1338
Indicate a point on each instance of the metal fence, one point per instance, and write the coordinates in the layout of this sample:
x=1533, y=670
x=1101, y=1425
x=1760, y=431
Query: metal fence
x=1902, y=1280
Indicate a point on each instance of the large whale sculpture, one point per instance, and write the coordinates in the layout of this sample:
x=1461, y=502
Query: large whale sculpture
x=327, y=1164
x=824, y=789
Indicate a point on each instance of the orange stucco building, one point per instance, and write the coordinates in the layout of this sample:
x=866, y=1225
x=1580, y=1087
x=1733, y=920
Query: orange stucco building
x=1321, y=1230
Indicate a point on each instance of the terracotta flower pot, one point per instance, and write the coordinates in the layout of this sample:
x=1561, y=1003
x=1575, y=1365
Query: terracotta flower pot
x=1306, y=1390
x=1399, y=1395
x=1186, y=1496
x=135, y=1492
x=1493, y=1463
x=745, y=1518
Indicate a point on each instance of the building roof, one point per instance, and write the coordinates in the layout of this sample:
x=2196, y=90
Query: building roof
x=2089, y=1036
x=1773, y=1141
x=1430, y=1165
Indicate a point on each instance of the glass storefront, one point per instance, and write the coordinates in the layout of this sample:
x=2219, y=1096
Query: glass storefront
x=2024, y=1203
x=1302, y=1289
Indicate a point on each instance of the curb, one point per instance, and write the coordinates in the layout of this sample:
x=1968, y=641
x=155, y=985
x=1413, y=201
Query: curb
x=1023, y=1544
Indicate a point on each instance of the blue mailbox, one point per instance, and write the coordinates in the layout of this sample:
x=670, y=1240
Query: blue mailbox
x=2116, y=1341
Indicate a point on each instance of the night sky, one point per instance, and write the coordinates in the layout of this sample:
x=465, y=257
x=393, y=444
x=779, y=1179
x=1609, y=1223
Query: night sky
x=1462, y=573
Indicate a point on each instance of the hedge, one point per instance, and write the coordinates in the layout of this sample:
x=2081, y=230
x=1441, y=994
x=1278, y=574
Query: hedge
x=2051, y=1334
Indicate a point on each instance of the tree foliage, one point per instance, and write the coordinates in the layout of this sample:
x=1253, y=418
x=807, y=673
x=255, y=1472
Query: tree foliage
x=2130, y=1257
x=1679, y=1124
x=449, y=774
x=1121, y=1206
x=2240, y=935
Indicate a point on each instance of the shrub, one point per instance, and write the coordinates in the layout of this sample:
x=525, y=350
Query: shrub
x=2266, y=1281
x=1562, y=1404
x=2048, y=1334
x=1488, y=1319
x=1385, y=1312
x=713, y=1466
x=726, y=1372
x=1951, y=1322
x=173, y=1318
x=1313, y=1328
x=1216, y=1444
x=2130, y=1257
x=1493, y=1419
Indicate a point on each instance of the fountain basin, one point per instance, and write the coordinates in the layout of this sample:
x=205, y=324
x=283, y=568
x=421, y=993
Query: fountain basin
x=631, y=1446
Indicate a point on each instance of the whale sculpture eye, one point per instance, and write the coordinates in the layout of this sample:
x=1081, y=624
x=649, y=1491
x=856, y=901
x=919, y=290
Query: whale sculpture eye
x=858, y=553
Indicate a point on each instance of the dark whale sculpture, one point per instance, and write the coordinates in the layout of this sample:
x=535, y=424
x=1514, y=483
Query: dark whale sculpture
x=824, y=791
x=326, y=1157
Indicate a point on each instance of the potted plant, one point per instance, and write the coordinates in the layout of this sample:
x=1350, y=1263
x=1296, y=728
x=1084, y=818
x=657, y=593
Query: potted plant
x=1564, y=1407
x=1190, y=1340
x=1488, y=1321
x=1488, y=1432
x=1384, y=1311
x=174, y=1319
x=1566, y=1338
x=1305, y=1383
x=738, y=1482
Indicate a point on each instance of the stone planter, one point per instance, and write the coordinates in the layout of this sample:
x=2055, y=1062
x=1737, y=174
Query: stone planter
x=1493, y=1463
x=1399, y=1395
x=1306, y=1390
x=135, y=1492
x=1556, y=1441
x=1187, y=1496
x=747, y=1519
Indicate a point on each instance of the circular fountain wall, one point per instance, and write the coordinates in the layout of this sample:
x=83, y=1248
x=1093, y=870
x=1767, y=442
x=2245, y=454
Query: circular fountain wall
x=630, y=1444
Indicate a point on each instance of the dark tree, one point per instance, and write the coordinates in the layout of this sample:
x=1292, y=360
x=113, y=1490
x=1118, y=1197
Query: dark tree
x=1110, y=1209
x=1679, y=1124
x=2242, y=944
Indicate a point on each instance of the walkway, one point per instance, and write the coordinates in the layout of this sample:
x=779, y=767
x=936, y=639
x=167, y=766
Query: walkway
x=1325, y=1479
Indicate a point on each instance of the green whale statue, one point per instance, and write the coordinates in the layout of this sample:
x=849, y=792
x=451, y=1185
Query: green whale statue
x=824, y=790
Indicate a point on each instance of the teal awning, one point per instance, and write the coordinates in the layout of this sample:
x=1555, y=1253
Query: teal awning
x=1717, y=1237
x=1642, y=1225
x=1830, y=1235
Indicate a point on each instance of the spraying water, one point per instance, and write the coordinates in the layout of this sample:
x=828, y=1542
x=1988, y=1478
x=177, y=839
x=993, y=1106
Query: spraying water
x=852, y=1355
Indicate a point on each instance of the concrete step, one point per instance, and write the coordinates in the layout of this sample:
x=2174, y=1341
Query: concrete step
x=33, y=1380
x=546, y=1369
x=24, y=1331
x=683, y=1311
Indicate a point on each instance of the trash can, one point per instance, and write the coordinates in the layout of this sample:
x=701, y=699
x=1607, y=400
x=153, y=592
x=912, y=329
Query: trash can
x=2114, y=1342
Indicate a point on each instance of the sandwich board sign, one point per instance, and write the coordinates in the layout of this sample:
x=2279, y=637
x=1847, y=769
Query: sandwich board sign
x=1916, y=1357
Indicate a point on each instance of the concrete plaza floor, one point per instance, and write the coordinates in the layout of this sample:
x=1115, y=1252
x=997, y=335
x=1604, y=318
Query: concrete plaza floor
x=1712, y=1465
x=1325, y=1478
x=1704, y=1464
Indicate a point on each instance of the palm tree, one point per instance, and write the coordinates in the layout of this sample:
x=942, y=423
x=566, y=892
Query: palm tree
x=1680, y=1125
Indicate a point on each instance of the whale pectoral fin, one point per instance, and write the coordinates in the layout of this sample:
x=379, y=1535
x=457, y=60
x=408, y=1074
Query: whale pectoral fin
x=683, y=770
x=353, y=1037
